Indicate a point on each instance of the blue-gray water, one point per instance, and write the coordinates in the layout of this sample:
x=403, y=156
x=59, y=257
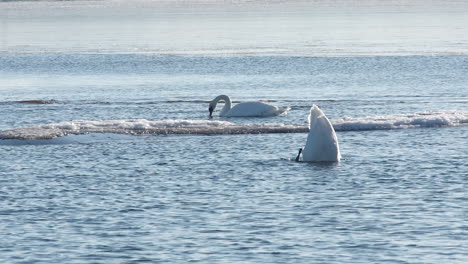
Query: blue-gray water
x=397, y=196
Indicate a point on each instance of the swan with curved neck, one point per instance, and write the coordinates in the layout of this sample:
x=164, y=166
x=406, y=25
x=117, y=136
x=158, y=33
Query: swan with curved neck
x=246, y=109
x=322, y=143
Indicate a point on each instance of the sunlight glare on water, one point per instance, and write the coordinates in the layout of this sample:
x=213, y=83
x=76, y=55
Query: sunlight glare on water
x=315, y=28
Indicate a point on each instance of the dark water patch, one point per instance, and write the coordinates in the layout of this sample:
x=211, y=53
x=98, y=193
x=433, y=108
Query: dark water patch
x=38, y=102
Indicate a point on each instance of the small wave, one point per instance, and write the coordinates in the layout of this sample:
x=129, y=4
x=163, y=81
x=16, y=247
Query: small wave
x=84, y=102
x=143, y=126
x=415, y=99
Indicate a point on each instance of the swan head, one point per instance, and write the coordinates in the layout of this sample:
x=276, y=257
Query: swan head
x=220, y=98
x=211, y=109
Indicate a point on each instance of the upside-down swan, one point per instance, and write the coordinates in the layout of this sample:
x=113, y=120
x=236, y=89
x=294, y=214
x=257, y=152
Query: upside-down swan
x=322, y=143
x=246, y=109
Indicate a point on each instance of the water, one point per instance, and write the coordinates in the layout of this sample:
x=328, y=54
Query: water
x=132, y=192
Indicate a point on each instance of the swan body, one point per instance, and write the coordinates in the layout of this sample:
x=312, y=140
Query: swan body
x=322, y=143
x=246, y=109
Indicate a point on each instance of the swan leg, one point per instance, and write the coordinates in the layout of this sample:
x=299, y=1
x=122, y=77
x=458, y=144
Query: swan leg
x=298, y=155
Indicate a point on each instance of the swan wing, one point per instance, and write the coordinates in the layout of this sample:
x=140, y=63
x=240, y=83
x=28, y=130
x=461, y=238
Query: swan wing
x=255, y=109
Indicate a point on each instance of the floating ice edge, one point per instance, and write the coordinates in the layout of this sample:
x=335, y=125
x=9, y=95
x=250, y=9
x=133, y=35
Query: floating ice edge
x=143, y=126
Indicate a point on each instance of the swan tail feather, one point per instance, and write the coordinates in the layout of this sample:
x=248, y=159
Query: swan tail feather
x=315, y=113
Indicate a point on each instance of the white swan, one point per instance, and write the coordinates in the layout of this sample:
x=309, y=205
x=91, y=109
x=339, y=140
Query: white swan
x=322, y=143
x=246, y=109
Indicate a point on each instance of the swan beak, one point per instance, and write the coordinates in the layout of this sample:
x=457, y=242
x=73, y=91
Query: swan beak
x=211, y=111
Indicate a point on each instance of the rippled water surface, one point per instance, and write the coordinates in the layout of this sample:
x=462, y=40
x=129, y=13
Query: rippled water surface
x=397, y=196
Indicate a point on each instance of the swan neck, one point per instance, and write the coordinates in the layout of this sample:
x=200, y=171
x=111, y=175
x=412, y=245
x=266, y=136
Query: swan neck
x=227, y=103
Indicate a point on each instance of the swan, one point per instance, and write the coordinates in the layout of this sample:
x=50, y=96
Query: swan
x=322, y=143
x=246, y=109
